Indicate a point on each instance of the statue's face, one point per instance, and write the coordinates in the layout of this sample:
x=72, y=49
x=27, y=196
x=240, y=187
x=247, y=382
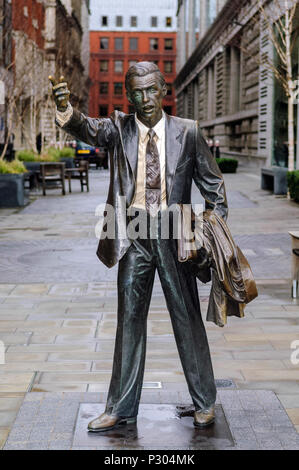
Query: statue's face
x=146, y=94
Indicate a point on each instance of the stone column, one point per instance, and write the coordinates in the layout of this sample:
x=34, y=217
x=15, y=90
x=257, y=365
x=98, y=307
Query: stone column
x=191, y=26
x=211, y=91
x=196, y=98
x=203, y=17
x=181, y=37
x=48, y=122
x=234, y=80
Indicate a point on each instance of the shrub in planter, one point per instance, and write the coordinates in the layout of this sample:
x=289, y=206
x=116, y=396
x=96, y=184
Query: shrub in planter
x=67, y=152
x=227, y=165
x=293, y=184
x=13, y=167
x=26, y=155
x=50, y=154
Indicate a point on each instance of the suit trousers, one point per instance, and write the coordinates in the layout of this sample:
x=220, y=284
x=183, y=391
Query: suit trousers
x=136, y=272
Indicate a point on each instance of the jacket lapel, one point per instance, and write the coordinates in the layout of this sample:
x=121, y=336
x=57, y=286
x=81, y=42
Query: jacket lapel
x=130, y=142
x=173, y=147
x=173, y=140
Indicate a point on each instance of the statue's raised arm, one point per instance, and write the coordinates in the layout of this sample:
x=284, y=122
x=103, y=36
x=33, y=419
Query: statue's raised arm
x=60, y=93
x=98, y=132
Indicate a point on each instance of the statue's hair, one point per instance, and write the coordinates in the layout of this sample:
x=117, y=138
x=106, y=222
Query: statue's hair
x=140, y=69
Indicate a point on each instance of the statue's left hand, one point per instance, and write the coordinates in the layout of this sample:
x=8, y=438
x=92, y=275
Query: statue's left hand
x=60, y=93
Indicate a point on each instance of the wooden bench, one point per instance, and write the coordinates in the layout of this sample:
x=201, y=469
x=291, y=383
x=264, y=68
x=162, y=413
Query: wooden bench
x=52, y=176
x=80, y=173
x=274, y=179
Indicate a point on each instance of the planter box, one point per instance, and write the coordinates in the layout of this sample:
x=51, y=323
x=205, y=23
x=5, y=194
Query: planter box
x=12, y=190
x=69, y=162
x=35, y=166
x=32, y=166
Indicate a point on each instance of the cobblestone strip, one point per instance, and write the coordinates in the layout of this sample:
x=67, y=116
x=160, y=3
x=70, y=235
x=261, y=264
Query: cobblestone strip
x=256, y=419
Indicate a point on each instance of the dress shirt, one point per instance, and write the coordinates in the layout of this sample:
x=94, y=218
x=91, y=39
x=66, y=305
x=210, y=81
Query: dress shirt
x=159, y=128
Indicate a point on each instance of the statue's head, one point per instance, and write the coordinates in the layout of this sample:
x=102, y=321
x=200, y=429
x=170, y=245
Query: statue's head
x=146, y=89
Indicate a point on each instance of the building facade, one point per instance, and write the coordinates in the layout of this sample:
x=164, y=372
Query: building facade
x=125, y=32
x=47, y=37
x=194, y=19
x=235, y=99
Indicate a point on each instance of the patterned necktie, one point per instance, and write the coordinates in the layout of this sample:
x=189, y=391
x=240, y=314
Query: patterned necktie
x=153, y=177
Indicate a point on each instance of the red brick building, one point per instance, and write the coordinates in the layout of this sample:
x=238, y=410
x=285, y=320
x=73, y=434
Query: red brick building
x=112, y=53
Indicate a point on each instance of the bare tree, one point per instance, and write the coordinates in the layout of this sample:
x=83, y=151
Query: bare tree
x=283, y=34
x=23, y=91
x=278, y=17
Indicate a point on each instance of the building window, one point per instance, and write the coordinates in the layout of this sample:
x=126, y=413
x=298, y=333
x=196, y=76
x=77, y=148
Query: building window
x=103, y=65
x=168, y=66
x=169, y=89
x=104, y=43
x=133, y=44
x=118, y=88
x=168, y=44
x=168, y=21
x=132, y=62
x=133, y=21
x=104, y=20
x=103, y=110
x=154, y=21
x=103, y=88
x=118, y=66
x=118, y=107
x=154, y=43
x=119, y=21
x=118, y=44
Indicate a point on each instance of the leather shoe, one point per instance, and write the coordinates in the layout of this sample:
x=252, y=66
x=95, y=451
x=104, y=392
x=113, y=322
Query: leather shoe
x=203, y=418
x=105, y=422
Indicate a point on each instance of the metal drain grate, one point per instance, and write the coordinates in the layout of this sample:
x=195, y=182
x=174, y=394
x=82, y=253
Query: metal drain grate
x=225, y=383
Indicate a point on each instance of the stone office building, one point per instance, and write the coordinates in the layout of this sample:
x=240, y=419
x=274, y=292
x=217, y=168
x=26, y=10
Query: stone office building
x=222, y=84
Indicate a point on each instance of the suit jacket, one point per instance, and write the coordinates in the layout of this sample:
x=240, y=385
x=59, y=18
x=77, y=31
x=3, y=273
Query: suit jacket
x=218, y=259
x=233, y=285
x=188, y=158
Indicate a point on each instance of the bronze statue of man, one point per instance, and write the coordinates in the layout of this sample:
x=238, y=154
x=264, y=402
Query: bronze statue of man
x=153, y=160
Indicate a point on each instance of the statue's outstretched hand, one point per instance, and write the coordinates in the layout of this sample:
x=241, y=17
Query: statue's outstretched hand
x=60, y=92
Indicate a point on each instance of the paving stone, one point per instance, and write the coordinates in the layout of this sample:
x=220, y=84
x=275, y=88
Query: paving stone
x=16, y=446
x=289, y=400
x=40, y=434
x=60, y=445
x=83, y=448
x=19, y=433
x=294, y=415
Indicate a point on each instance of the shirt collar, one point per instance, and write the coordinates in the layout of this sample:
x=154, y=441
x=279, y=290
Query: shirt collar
x=158, y=128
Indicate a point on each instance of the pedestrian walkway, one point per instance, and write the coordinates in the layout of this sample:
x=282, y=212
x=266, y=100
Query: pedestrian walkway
x=58, y=319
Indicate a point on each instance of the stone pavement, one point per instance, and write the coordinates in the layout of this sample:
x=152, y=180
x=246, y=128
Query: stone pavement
x=252, y=420
x=58, y=315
